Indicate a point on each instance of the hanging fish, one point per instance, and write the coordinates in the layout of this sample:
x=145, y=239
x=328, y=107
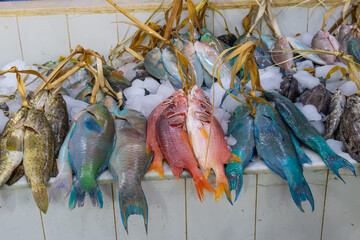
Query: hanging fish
x=274, y=146
x=299, y=45
x=16, y=174
x=128, y=164
x=189, y=52
x=325, y=41
x=116, y=80
x=12, y=145
x=337, y=105
x=350, y=127
x=212, y=41
x=38, y=155
x=241, y=127
x=57, y=116
x=170, y=63
x=307, y=133
x=283, y=59
x=151, y=142
x=90, y=146
x=208, y=140
x=173, y=140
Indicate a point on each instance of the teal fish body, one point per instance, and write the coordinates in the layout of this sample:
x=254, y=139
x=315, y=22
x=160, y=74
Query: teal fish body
x=153, y=64
x=90, y=146
x=241, y=127
x=170, y=63
x=275, y=147
x=209, y=39
x=353, y=48
x=189, y=52
x=304, y=131
x=128, y=164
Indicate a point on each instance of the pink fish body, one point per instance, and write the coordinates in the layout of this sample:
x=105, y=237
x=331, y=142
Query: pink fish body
x=174, y=143
x=325, y=41
x=217, y=153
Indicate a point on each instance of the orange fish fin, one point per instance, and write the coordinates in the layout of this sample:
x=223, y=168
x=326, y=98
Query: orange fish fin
x=200, y=183
x=190, y=141
x=204, y=133
x=206, y=172
x=222, y=186
x=156, y=165
x=184, y=136
x=234, y=158
x=148, y=148
x=176, y=171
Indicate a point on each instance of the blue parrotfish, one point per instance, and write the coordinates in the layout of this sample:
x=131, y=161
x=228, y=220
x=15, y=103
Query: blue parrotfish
x=304, y=131
x=275, y=147
x=90, y=146
x=129, y=162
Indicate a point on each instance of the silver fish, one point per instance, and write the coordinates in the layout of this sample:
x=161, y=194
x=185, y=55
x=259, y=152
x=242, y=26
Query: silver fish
x=337, y=105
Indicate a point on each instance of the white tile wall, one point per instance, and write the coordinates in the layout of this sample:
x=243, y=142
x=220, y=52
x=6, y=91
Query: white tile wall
x=220, y=220
x=233, y=18
x=10, y=43
x=166, y=205
x=277, y=214
x=87, y=222
x=19, y=215
x=95, y=31
x=316, y=16
x=43, y=38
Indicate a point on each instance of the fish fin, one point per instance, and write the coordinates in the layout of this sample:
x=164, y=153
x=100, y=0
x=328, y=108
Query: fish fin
x=40, y=196
x=148, y=148
x=234, y=174
x=61, y=181
x=234, y=158
x=222, y=186
x=157, y=164
x=92, y=125
x=96, y=196
x=200, y=183
x=274, y=168
x=335, y=162
x=301, y=193
x=77, y=196
x=204, y=133
x=133, y=203
x=300, y=152
x=206, y=172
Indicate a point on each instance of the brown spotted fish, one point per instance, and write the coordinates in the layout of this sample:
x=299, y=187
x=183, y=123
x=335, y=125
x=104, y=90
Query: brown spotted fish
x=336, y=110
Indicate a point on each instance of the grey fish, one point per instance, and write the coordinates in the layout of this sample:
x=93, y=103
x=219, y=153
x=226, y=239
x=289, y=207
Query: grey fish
x=350, y=126
x=289, y=87
x=316, y=96
x=283, y=59
x=337, y=105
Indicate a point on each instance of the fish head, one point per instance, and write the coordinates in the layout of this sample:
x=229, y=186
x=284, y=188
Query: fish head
x=205, y=51
x=39, y=100
x=344, y=30
x=353, y=103
x=175, y=111
x=99, y=112
x=282, y=44
x=188, y=49
x=323, y=40
x=199, y=105
x=179, y=45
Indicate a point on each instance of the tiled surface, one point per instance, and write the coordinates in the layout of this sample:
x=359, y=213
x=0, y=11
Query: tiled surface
x=233, y=18
x=342, y=218
x=10, y=43
x=87, y=222
x=166, y=205
x=19, y=215
x=43, y=38
x=316, y=16
x=277, y=214
x=95, y=31
x=220, y=220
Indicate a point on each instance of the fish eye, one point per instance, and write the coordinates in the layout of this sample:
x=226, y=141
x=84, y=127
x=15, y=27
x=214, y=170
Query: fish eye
x=171, y=106
x=203, y=106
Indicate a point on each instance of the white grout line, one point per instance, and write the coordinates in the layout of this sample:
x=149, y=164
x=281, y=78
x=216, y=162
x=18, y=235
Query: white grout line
x=186, y=228
x=256, y=205
x=113, y=202
x=68, y=31
x=324, y=205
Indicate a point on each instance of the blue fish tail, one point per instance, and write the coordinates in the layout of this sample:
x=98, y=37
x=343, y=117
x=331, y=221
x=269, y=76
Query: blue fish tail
x=77, y=196
x=96, y=197
x=61, y=181
x=234, y=174
x=300, y=152
x=133, y=202
x=300, y=193
x=335, y=162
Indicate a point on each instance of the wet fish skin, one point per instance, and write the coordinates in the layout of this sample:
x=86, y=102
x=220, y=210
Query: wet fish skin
x=275, y=147
x=173, y=140
x=38, y=155
x=189, y=52
x=316, y=96
x=289, y=87
x=16, y=174
x=337, y=105
x=57, y=116
x=325, y=41
x=116, y=80
x=241, y=127
x=170, y=63
x=354, y=49
x=151, y=139
x=305, y=132
x=128, y=164
x=12, y=145
x=283, y=59
x=87, y=156
x=212, y=41
x=350, y=125
x=210, y=146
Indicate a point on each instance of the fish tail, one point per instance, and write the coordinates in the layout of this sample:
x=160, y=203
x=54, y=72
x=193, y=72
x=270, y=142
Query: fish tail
x=133, y=203
x=77, y=196
x=300, y=193
x=96, y=196
x=61, y=181
x=200, y=183
x=222, y=186
x=40, y=195
x=234, y=175
x=335, y=162
x=157, y=165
